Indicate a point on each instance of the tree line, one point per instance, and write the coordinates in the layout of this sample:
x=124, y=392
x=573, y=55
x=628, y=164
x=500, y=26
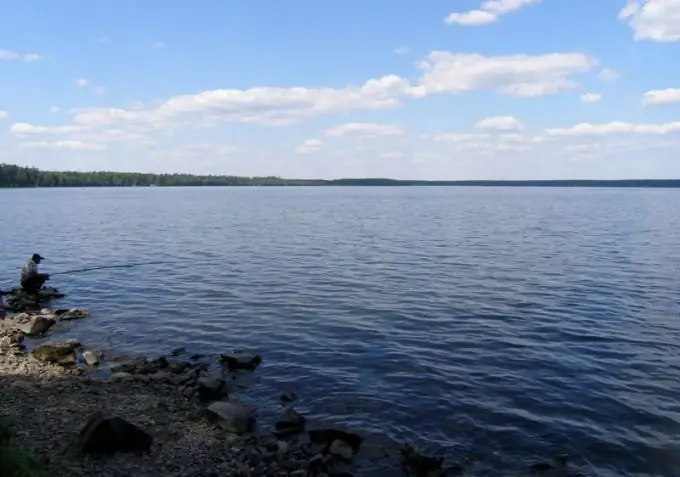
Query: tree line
x=19, y=176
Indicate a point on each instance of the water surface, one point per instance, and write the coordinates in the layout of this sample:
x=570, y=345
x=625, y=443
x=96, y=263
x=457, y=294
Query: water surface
x=509, y=324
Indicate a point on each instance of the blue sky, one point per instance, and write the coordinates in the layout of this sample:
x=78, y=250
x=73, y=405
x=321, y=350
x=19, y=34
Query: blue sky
x=498, y=89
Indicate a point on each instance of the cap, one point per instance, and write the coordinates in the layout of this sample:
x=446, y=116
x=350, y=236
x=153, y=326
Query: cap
x=37, y=256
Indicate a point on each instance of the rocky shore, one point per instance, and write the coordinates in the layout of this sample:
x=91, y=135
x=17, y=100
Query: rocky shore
x=83, y=413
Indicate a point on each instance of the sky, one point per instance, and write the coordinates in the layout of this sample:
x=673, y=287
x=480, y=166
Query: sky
x=464, y=89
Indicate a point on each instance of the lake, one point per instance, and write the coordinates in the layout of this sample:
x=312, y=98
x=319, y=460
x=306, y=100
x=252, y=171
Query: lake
x=510, y=324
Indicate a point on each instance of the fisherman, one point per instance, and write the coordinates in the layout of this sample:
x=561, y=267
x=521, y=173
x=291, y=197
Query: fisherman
x=31, y=280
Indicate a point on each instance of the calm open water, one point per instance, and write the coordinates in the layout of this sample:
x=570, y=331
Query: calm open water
x=511, y=324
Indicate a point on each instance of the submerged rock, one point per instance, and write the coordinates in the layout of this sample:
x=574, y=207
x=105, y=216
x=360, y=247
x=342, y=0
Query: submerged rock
x=326, y=437
x=62, y=353
x=211, y=389
x=92, y=358
x=418, y=463
x=233, y=417
x=240, y=360
x=290, y=422
x=109, y=435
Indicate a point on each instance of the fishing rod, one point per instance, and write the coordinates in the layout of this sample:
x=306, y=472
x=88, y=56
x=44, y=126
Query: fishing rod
x=106, y=267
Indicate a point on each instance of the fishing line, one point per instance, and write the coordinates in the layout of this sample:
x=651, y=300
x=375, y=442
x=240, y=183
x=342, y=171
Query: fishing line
x=106, y=267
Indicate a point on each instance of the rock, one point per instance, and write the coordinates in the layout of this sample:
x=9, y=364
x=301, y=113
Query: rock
x=211, y=389
x=289, y=397
x=418, y=463
x=62, y=353
x=128, y=366
x=290, y=422
x=65, y=314
x=326, y=437
x=121, y=376
x=240, y=360
x=92, y=358
x=340, y=448
x=177, y=351
x=31, y=324
x=233, y=417
x=298, y=473
x=109, y=435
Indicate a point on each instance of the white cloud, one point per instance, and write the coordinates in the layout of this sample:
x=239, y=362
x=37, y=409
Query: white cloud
x=3, y=114
x=515, y=75
x=591, y=98
x=68, y=145
x=615, y=127
x=401, y=50
x=657, y=97
x=99, y=89
x=55, y=109
x=309, y=146
x=159, y=45
x=13, y=55
x=489, y=12
x=25, y=129
x=608, y=74
x=82, y=82
x=655, y=20
x=364, y=130
x=500, y=123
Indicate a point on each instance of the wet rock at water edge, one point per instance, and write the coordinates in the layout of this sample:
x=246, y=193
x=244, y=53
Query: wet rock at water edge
x=31, y=324
x=326, y=437
x=109, y=435
x=342, y=449
x=240, y=360
x=92, y=357
x=62, y=353
x=418, y=463
x=290, y=422
x=233, y=417
x=16, y=300
x=211, y=389
x=289, y=397
x=11, y=343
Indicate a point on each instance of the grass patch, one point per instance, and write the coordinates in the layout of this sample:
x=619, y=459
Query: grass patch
x=15, y=462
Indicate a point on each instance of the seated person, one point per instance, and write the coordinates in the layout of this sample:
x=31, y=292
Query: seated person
x=31, y=280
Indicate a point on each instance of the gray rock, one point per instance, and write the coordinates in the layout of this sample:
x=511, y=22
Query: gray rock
x=62, y=353
x=342, y=449
x=92, y=358
x=240, y=360
x=121, y=376
x=233, y=417
x=211, y=389
x=31, y=324
x=290, y=422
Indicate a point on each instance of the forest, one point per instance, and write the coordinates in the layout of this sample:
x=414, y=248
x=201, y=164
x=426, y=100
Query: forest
x=13, y=176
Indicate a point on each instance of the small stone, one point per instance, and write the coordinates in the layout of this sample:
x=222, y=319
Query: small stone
x=120, y=376
x=298, y=473
x=177, y=351
x=289, y=397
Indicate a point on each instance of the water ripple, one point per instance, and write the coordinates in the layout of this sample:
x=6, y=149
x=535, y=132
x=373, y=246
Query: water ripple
x=509, y=324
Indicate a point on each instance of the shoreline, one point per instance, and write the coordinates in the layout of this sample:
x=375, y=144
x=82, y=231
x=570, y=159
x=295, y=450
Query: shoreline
x=67, y=401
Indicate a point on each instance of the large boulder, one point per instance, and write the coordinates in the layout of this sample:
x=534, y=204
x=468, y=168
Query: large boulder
x=16, y=300
x=31, y=324
x=62, y=353
x=233, y=417
x=290, y=422
x=211, y=389
x=114, y=434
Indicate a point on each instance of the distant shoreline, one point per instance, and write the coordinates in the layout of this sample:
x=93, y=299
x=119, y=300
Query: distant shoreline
x=14, y=177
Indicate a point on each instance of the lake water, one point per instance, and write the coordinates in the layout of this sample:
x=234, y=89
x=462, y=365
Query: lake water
x=506, y=323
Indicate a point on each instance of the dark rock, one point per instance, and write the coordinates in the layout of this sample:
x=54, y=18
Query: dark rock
x=65, y=314
x=233, y=417
x=326, y=437
x=177, y=351
x=109, y=435
x=290, y=422
x=62, y=353
x=195, y=357
x=211, y=389
x=340, y=448
x=418, y=463
x=289, y=397
x=240, y=360
x=128, y=365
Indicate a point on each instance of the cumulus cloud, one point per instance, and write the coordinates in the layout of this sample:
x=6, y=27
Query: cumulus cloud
x=3, y=114
x=500, y=123
x=67, y=145
x=310, y=146
x=524, y=76
x=489, y=12
x=655, y=20
x=364, y=130
x=658, y=97
x=608, y=74
x=10, y=55
x=615, y=127
x=591, y=98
